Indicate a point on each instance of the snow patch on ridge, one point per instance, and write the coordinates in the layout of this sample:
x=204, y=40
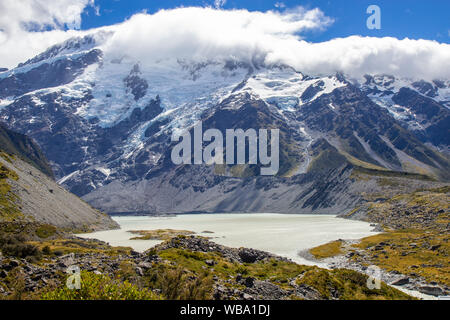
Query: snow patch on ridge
x=285, y=87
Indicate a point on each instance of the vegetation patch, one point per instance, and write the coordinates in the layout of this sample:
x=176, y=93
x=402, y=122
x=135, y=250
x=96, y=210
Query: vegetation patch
x=101, y=287
x=159, y=234
x=45, y=231
x=16, y=246
x=411, y=252
x=177, y=283
x=327, y=250
x=417, y=237
x=7, y=157
x=347, y=285
x=30, y=230
x=331, y=284
x=388, y=173
x=81, y=246
x=8, y=207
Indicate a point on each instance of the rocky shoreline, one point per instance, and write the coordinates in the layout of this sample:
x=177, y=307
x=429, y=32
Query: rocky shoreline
x=412, y=242
x=415, y=286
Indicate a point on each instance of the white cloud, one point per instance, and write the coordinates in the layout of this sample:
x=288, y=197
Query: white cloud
x=275, y=37
x=196, y=33
x=360, y=55
x=280, y=5
x=28, y=27
x=272, y=37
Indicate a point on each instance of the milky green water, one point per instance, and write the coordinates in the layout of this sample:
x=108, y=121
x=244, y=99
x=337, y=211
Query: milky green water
x=281, y=234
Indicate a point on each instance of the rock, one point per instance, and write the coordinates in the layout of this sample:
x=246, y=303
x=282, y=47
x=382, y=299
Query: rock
x=432, y=290
x=134, y=254
x=3, y=274
x=139, y=271
x=248, y=255
x=249, y=281
x=66, y=260
x=145, y=265
x=36, y=277
x=210, y=262
x=401, y=281
x=11, y=265
x=220, y=293
x=246, y=296
x=14, y=263
x=267, y=290
x=435, y=247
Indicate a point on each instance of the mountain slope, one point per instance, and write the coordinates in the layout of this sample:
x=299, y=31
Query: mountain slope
x=105, y=125
x=29, y=195
x=20, y=145
x=38, y=198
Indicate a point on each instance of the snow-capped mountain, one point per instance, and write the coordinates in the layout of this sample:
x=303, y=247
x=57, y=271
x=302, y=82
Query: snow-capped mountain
x=105, y=122
x=416, y=104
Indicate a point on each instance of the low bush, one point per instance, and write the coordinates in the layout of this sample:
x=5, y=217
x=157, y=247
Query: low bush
x=178, y=284
x=15, y=246
x=100, y=287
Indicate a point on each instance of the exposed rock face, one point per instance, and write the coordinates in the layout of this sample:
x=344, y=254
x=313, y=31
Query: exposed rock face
x=25, y=148
x=434, y=118
x=136, y=84
x=40, y=199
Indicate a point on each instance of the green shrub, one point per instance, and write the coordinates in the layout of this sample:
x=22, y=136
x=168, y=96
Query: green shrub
x=45, y=231
x=101, y=287
x=16, y=281
x=176, y=284
x=14, y=246
x=58, y=252
x=242, y=270
x=344, y=284
x=46, y=250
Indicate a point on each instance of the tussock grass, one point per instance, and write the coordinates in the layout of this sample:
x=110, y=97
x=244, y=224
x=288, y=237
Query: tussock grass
x=327, y=250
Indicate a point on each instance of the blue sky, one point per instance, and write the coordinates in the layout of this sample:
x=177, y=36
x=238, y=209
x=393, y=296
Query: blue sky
x=415, y=19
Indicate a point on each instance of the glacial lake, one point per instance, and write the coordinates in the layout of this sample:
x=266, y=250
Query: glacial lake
x=281, y=234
